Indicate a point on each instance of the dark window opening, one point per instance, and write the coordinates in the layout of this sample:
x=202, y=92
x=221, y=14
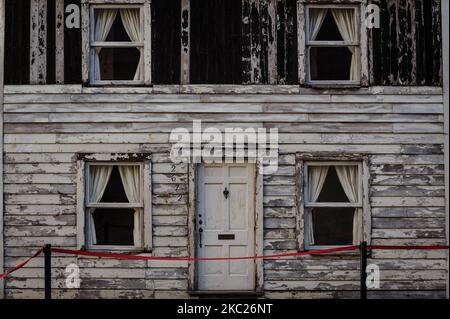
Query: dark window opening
x=119, y=63
x=114, y=226
x=216, y=42
x=333, y=226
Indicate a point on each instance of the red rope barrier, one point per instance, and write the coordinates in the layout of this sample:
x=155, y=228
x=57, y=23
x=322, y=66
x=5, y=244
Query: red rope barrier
x=21, y=264
x=302, y=253
x=134, y=257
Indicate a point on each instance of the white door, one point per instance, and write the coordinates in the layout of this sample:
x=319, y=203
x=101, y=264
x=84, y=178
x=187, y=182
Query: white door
x=226, y=226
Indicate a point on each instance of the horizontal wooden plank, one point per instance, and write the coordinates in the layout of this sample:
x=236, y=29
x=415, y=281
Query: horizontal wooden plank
x=394, y=222
x=169, y=210
x=66, y=189
x=80, y=138
x=218, y=89
x=30, y=231
x=270, y=223
x=407, y=159
x=408, y=233
x=85, y=148
x=40, y=220
x=345, y=264
x=408, y=180
x=408, y=191
x=170, y=189
x=279, y=201
x=398, y=169
x=205, y=107
x=430, y=212
x=39, y=178
x=279, y=212
x=353, y=285
x=43, y=199
x=407, y=201
x=279, y=190
x=353, y=275
x=40, y=210
x=15, y=158
x=40, y=241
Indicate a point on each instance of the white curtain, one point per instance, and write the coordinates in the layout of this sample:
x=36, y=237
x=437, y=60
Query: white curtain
x=131, y=180
x=346, y=23
x=104, y=20
x=98, y=180
x=349, y=178
x=131, y=22
x=316, y=179
x=316, y=18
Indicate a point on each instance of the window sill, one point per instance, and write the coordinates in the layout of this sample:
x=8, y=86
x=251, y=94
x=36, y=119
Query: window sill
x=112, y=250
x=328, y=86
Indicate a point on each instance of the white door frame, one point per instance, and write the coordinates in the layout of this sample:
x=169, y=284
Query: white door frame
x=259, y=240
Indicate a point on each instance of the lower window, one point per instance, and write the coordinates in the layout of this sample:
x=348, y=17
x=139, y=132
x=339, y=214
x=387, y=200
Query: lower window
x=114, y=206
x=333, y=204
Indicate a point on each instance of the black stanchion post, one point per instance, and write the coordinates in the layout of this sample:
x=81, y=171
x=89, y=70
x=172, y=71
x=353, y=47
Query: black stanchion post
x=363, y=266
x=48, y=271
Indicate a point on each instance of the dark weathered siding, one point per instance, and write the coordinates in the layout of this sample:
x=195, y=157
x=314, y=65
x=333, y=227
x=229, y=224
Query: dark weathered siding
x=269, y=52
x=72, y=51
x=215, y=38
x=17, y=42
x=407, y=49
x=166, y=44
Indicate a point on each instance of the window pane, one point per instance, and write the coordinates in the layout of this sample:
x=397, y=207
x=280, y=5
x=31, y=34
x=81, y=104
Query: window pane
x=109, y=24
x=323, y=64
x=114, y=226
x=329, y=30
x=333, y=226
x=114, y=192
x=119, y=63
x=332, y=191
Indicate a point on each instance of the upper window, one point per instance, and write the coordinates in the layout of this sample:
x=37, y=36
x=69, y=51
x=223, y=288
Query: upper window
x=332, y=44
x=333, y=204
x=114, y=206
x=117, y=44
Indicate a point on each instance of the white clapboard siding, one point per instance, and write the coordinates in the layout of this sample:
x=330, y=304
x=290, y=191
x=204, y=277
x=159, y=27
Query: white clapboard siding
x=400, y=129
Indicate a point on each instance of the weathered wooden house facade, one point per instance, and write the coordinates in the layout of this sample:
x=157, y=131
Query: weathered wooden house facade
x=89, y=102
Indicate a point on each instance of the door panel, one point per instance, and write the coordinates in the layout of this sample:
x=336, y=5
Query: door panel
x=225, y=226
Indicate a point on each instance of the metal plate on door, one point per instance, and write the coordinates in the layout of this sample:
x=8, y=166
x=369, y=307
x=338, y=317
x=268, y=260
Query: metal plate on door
x=225, y=236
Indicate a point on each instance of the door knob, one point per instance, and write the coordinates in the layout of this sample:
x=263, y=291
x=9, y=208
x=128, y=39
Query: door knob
x=226, y=192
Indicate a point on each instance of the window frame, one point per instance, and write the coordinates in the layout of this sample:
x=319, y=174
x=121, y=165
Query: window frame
x=301, y=159
x=83, y=204
x=88, y=22
x=304, y=44
x=308, y=205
